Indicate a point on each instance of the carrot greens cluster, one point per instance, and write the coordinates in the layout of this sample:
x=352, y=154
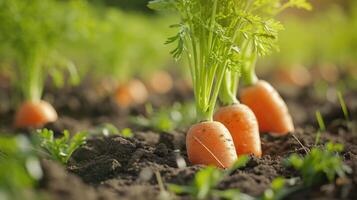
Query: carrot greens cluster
x=258, y=37
x=207, y=34
x=219, y=38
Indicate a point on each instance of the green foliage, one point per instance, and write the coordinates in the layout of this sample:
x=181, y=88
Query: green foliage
x=322, y=127
x=206, y=180
x=19, y=168
x=320, y=164
x=60, y=149
x=126, y=44
x=311, y=47
x=59, y=38
x=167, y=118
x=280, y=188
x=217, y=36
x=32, y=30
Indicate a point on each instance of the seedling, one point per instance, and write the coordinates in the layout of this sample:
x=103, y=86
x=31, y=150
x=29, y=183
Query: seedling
x=207, y=179
x=322, y=126
x=280, y=188
x=320, y=164
x=60, y=149
x=343, y=106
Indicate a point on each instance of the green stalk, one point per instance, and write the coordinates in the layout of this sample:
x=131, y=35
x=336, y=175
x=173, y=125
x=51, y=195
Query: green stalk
x=227, y=94
x=249, y=76
x=250, y=59
x=30, y=71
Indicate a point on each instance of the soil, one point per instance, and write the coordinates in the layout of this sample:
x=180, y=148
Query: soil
x=115, y=167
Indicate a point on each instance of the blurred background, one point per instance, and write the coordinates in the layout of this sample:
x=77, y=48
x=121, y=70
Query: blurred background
x=122, y=39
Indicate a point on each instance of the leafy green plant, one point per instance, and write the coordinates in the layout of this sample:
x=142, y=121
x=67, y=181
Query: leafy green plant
x=320, y=164
x=33, y=31
x=258, y=37
x=206, y=180
x=280, y=188
x=60, y=149
x=167, y=118
x=19, y=168
x=322, y=127
x=206, y=36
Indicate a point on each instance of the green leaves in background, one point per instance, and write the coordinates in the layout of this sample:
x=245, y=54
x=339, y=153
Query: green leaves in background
x=320, y=164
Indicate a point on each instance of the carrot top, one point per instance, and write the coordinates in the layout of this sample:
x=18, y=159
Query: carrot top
x=257, y=37
x=210, y=35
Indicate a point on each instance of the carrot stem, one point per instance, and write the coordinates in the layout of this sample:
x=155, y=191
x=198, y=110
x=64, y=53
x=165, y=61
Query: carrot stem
x=249, y=75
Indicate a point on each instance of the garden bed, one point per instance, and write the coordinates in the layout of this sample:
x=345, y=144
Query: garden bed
x=116, y=167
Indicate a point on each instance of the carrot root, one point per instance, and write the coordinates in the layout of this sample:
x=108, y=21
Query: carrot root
x=210, y=143
x=35, y=114
x=269, y=108
x=131, y=93
x=243, y=126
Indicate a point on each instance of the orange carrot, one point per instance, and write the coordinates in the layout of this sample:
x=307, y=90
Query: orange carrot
x=269, y=108
x=210, y=143
x=131, y=93
x=160, y=82
x=35, y=114
x=298, y=76
x=243, y=126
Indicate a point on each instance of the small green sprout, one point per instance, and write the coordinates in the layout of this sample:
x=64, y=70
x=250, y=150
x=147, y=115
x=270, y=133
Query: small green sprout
x=206, y=180
x=322, y=126
x=61, y=149
x=320, y=164
x=280, y=188
x=343, y=106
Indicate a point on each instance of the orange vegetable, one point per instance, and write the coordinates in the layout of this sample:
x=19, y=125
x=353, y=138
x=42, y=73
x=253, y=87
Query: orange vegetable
x=269, y=108
x=210, y=143
x=131, y=93
x=35, y=114
x=298, y=75
x=243, y=126
x=160, y=82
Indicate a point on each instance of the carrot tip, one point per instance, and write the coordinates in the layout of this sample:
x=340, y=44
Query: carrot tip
x=35, y=114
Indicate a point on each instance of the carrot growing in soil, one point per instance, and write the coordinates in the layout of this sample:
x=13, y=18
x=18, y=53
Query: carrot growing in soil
x=131, y=93
x=239, y=118
x=32, y=30
x=206, y=36
x=268, y=106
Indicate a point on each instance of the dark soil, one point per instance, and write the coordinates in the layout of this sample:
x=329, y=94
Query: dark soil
x=115, y=167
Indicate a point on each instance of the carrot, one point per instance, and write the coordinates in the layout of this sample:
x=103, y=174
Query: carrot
x=269, y=108
x=242, y=124
x=298, y=76
x=131, y=93
x=210, y=143
x=35, y=114
x=160, y=82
